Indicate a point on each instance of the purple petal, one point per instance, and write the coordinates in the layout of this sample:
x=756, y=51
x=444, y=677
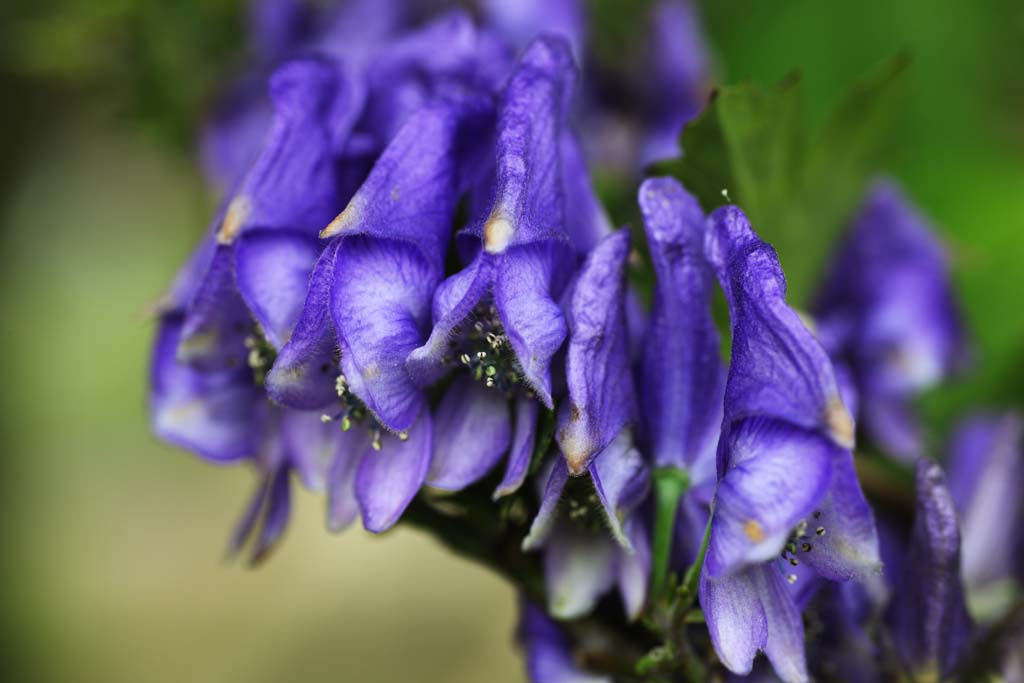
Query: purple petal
x=529, y=204
x=275, y=520
x=634, y=567
x=779, y=475
x=844, y=544
x=549, y=656
x=521, y=453
x=303, y=375
x=985, y=474
x=380, y=305
x=597, y=364
x=520, y=20
x=453, y=302
x=388, y=480
x=272, y=269
x=342, y=505
x=778, y=368
x=586, y=221
x=621, y=482
x=928, y=619
x=310, y=445
x=678, y=84
x=889, y=291
x=683, y=374
x=217, y=321
x=250, y=517
x=579, y=567
x=752, y=611
x=543, y=523
x=533, y=322
x=472, y=430
x=214, y=414
x=410, y=194
x=292, y=184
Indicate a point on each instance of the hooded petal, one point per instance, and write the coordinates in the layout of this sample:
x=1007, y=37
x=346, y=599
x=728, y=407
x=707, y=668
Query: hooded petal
x=927, y=616
x=272, y=269
x=521, y=453
x=779, y=477
x=752, y=611
x=778, y=368
x=304, y=372
x=621, y=482
x=579, y=567
x=683, y=374
x=411, y=192
x=217, y=415
x=597, y=364
x=472, y=430
x=380, y=305
x=292, y=184
x=387, y=480
x=985, y=474
x=529, y=203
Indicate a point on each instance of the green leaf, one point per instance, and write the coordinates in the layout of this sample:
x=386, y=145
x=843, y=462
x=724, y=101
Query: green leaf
x=797, y=186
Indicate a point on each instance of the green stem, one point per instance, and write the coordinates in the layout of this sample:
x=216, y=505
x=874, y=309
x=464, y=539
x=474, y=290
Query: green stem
x=670, y=484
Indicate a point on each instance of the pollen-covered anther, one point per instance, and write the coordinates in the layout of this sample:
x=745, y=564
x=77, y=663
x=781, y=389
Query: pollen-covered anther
x=839, y=423
x=234, y=219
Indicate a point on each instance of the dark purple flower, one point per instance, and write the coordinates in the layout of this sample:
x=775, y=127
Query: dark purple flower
x=986, y=471
x=786, y=479
x=549, y=657
x=927, y=616
x=678, y=77
x=887, y=311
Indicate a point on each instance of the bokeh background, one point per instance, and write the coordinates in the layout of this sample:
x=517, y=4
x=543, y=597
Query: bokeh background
x=112, y=558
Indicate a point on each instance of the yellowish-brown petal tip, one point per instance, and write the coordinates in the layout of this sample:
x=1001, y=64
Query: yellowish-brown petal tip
x=498, y=232
x=839, y=422
x=343, y=221
x=234, y=219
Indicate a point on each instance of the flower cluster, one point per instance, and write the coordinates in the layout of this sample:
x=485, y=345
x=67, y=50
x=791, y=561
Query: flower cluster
x=412, y=294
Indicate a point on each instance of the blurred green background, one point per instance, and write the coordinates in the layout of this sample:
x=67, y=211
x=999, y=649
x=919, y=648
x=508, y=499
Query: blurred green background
x=112, y=560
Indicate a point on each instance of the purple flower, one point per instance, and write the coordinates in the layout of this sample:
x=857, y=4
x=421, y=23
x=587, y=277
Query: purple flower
x=678, y=81
x=581, y=560
x=927, y=616
x=887, y=311
x=786, y=479
x=986, y=469
x=549, y=657
x=498, y=317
